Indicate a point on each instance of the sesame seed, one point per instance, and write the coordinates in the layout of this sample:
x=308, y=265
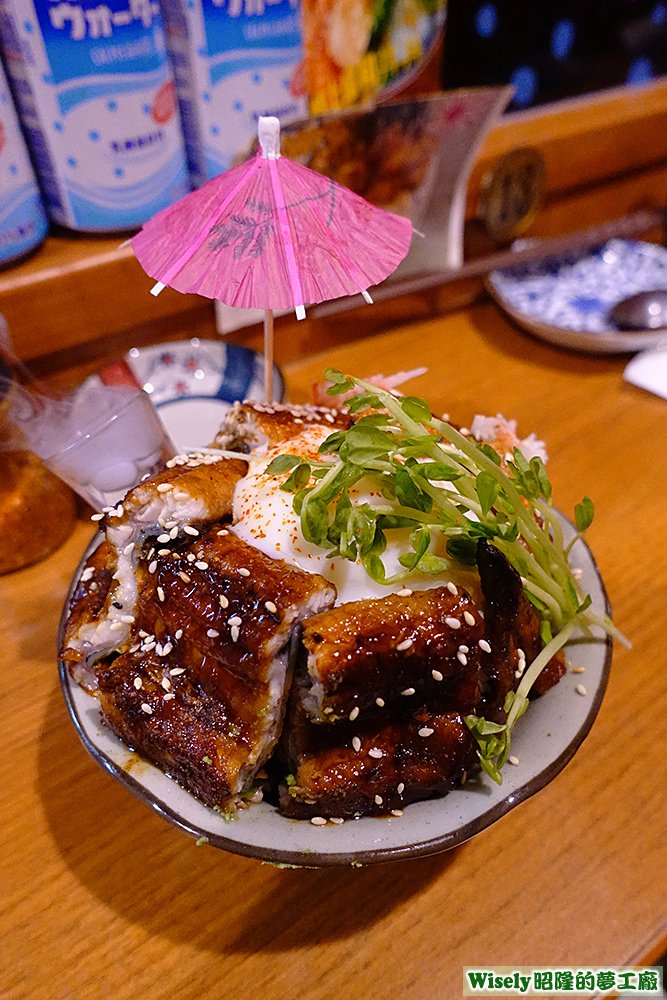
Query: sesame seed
x=580, y=689
x=484, y=646
x=470, y=619
x=166, y=683
x=235, y=620
x=356, y=743
x=354, y=714
x=462, y=658
x=146, y=708
x=400, y=788
x=402, y=646
x=244, y=572
x=93, y=586
x=152, y=566
x=378, y=800
x=96, y=517
x=397, y=812
x=127, y=619
x=167, y=648
x=235, y=633
x=164, y=487
x=336, y=820
x=406, y=592
x=223, y=531
x=212, y=633
x=178, y=634
x=452, y=588
x=164, y=552
x=379, y=702
x=173, y=533
x=407, y=692
x=169, y=696
x=376, y=753
x=318, y=821
x=426, y=731
x=464, y=649
x=453, y=622
x=513, y=759
x=189, y=530
x=270, y=606
x=137, y=682
x=224, y=603
x=184, y=577
x=200, y=564
x=160, y=594
x=436, y=675
x=578, y=670
x=164, y=537
x=175, y=671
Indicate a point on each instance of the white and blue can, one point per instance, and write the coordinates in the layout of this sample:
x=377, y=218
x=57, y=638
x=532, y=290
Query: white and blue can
x=234, y=60
x=96, y=96
x=23, y=222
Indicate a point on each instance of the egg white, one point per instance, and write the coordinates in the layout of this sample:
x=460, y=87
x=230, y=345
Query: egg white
x=263, y=517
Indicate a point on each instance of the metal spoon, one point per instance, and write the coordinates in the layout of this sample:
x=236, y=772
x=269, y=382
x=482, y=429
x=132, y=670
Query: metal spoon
x=643, y=311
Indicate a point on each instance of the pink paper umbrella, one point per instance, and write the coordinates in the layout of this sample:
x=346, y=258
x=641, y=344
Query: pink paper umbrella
x=271, y=234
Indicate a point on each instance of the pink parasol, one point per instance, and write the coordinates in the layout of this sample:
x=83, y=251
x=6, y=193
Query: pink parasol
x=271, y=234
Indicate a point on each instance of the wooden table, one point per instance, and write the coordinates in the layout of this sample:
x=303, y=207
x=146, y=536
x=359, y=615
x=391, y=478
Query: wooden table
x=102, y=898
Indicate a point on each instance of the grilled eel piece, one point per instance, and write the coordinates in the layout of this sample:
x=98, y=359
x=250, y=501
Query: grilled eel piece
x=372, y=766
x=202, y=689
x=410, y=747
x=365, y=651
x=195, y=491
x=258, y=427
x=512, y=629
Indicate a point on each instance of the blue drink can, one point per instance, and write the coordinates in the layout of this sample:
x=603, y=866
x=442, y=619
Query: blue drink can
x=23, y=222
x=97, y=101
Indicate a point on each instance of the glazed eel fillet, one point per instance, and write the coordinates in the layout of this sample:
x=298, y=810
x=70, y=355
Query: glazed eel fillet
x=258, y=427
x=194, y=491
x=376, y=718
x=201, y=689
x=371, y=653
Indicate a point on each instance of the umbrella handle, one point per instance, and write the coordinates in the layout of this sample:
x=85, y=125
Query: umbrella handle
x=268, y=355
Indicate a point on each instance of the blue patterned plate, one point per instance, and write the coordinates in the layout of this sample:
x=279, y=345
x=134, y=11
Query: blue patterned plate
x=194, y=382
x=566, y=299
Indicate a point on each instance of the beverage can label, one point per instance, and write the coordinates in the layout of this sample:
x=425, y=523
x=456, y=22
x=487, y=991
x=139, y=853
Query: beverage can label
x=23, y=222
x=97, y=99
x=234, y=60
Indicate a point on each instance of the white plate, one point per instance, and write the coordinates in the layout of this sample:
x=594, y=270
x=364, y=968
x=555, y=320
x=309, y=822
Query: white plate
x=566, y=299
x=545, y=739
x=194, y=382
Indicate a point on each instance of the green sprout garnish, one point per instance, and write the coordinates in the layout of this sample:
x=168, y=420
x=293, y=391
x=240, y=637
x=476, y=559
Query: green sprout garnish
x=449, y=491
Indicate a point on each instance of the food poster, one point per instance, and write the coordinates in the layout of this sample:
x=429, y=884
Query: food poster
x=413, y=157
x=361, y=51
